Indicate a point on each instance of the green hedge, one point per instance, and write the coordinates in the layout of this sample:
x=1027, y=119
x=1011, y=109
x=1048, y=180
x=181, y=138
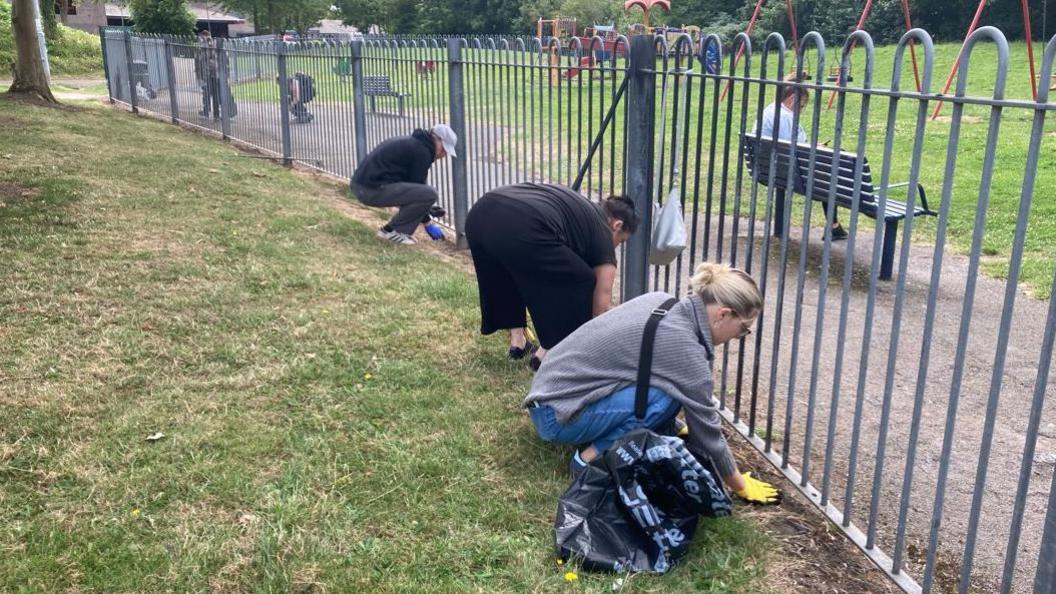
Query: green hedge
x=73, y=53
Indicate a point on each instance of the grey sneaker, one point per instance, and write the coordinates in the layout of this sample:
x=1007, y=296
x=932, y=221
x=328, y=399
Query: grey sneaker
x=396, y=237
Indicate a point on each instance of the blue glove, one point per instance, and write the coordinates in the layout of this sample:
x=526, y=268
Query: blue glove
x=434, y=231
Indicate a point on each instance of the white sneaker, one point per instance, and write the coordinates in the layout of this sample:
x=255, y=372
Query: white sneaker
x=396, y=237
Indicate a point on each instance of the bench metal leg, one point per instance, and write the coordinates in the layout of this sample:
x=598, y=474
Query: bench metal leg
x=400, y=108
x=373, y=106
x=779, y=212
x=887, y=261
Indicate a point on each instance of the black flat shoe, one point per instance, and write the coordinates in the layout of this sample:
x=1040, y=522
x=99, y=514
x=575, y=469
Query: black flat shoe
x=838, y=234
x=535, y=363
x=518, y=353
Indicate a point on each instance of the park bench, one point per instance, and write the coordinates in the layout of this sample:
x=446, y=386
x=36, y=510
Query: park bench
x=759, y=151
x=380, y=85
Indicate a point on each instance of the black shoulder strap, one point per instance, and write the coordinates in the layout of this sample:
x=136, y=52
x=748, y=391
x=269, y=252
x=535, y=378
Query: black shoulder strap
x=645, y=359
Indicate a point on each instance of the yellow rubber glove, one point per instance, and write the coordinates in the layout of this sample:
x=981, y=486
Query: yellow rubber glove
x=756, y=491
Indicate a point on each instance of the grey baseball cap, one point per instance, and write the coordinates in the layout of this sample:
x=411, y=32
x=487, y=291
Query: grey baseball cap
x=447, y=137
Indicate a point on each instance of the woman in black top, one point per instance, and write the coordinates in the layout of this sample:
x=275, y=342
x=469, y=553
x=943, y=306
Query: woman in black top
x=546, y=248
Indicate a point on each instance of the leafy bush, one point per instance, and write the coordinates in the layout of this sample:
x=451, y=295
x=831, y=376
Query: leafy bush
x=71, y=53
x=162, y=16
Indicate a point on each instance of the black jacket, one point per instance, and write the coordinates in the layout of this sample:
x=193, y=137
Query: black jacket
x=400, y=159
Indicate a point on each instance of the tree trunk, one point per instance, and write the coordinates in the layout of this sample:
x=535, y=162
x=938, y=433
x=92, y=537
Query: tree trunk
x=30, y=77
x=64, y=7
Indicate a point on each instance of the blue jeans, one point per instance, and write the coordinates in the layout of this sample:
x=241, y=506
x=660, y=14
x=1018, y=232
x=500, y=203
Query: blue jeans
x=606, y=420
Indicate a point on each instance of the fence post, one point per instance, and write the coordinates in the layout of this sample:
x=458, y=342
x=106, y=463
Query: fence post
x=170, y=77
x=459, y=177
x=132, y=99
x=225, y=92
x=284, y=107
x=106, y=64
x=641, y=108
x=359, y=113
x=1046, y=574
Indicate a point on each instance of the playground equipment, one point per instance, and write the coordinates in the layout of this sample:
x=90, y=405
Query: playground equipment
x=971, y=29
x=560, y=27
x=834, y=74
x=834, y=71
x=751, y=26
x=645, y=5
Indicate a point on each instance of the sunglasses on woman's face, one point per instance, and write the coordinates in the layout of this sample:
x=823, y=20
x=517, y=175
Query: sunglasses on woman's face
x=746, y=328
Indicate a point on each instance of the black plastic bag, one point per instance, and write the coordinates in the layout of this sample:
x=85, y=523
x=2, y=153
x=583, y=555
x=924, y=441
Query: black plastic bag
x=635, y=509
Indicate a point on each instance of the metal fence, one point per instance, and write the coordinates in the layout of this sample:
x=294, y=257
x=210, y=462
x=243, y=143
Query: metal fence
x=914, y=411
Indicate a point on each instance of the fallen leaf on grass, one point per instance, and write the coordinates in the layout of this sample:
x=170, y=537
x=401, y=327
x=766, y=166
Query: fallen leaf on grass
x=155, y=436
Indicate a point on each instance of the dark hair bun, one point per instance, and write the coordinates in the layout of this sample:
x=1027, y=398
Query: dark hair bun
x=625, y=200
x=622, y=208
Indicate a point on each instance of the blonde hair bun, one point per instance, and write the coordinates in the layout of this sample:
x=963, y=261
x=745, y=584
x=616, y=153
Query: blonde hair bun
x=705, y=275
x=730, y=287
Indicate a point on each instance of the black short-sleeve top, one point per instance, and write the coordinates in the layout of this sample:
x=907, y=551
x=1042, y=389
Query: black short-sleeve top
x=554, y=211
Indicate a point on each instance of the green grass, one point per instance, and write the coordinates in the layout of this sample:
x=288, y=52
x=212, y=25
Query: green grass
x=535, y=116
x=332, y=420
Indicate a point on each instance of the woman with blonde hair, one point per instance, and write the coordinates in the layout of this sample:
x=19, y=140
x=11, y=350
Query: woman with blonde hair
x=585, y=395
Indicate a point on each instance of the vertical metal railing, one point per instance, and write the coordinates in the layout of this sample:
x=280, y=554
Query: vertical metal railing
x=894, y=405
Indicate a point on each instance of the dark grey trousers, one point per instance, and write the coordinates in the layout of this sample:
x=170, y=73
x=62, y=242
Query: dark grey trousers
x=413, y=200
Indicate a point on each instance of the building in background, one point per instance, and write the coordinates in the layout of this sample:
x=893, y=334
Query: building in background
x=89, y=16
x=334, y=29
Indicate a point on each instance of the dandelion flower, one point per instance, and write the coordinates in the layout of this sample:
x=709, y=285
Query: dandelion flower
x=560, y=562
x=135, y=513
x=571, y=576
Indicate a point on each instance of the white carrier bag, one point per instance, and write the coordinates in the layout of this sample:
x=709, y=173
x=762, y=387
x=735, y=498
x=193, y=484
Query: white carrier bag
x=669, y=228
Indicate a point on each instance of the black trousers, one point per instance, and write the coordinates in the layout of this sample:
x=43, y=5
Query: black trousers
x=413, y=201
x=520, y=264
x=211, y=96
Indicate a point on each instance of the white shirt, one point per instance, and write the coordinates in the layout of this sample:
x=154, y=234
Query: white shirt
x=767, y=128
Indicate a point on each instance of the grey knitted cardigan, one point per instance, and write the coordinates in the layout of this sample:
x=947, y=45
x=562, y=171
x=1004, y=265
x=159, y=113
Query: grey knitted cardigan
x=601, y=357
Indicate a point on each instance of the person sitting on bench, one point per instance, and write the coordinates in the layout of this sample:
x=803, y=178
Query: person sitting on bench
x=394, y=174
x=783, y=111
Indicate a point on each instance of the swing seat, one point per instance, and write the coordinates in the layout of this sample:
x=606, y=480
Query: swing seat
x=834, y=75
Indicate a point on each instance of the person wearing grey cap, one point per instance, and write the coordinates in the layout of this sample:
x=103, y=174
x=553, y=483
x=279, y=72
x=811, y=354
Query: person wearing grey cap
x=394, y=174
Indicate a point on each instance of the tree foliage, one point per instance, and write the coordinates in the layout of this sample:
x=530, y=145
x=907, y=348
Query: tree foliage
x=49, y=20
x=947, y=20
x=277, y=16
x=162, y=16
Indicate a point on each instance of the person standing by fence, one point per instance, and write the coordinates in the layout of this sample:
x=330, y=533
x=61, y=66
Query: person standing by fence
x=585, y=395
x=546, y=248
x=207, y=73
x=394, y=174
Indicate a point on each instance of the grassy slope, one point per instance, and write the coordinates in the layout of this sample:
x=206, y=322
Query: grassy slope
x=331, y=417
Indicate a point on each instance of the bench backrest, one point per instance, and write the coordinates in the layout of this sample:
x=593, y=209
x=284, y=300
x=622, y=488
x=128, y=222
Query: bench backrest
x=377, y=84
x=829, y=169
